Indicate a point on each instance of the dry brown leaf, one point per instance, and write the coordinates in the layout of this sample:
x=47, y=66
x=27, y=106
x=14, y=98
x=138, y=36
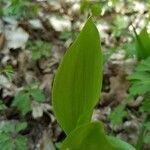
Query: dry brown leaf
x=46, y=142
x=2, y=41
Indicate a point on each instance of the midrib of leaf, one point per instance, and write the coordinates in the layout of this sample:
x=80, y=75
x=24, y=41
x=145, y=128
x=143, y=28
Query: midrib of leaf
x=82, y=91
x=75, y=114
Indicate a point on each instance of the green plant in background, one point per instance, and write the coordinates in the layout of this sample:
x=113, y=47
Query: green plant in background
x=129, y=49
x=140, y=81
x=141, y=78
x=2, y=106
x=117, y=115
x=76, y=91
x=140, y=86
x=24, y=98
x=8, y=71
x=120, y=24
x=19, y=9
x=108, y=54
x=142, y=44
x=10, y=137
x=65, y=35
x=39, y=49
x=93, y=7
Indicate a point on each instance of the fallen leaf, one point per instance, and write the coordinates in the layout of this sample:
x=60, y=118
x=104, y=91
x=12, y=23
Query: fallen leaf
x=16, y=37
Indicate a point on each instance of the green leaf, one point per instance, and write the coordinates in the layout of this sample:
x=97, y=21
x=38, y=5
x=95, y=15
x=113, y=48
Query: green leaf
x=2, y=106
x=9, y=127
x=108, y=54
x=140, y=79
x=84, y=5
x=39, y=49
x=4, y=138
x=120, y=23
x=147, y=125
x=118, y=114
x=6, y=145
x=129, y=49
x=143, y=44
x=8, y=71
x=24, y=98
x=87, y=137
x=140, y=87
x=78, y=81
x=146, y=105
x=65, y=35
x=96, y=9
x=23, y=102
x=37, y=94
x=147, y=138
x=36, y=55
x=20, y=126
x=17, y=9
x=119, y=144
x=21, y=143
x=7, y=132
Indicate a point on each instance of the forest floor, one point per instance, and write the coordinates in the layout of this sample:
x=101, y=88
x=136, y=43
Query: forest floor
x=30, y=52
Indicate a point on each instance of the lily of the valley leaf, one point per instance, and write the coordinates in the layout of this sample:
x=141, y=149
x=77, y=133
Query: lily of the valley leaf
x=77, y=84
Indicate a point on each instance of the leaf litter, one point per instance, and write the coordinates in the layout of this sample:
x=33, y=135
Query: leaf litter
x=55, y=18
